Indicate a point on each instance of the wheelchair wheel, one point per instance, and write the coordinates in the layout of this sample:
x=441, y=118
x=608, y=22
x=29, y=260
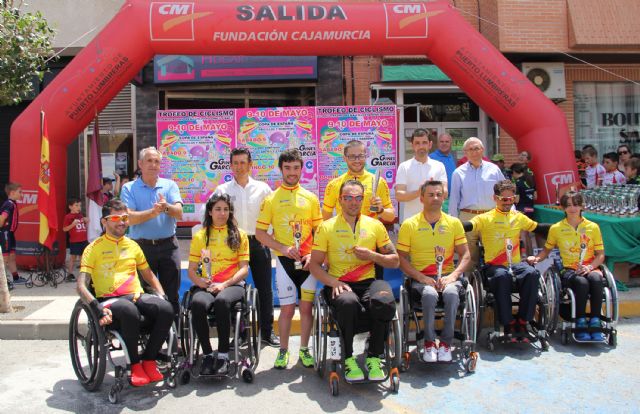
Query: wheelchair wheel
x=37, y=279
x=334, y=384
x=320, y=334
x=395, y=382
x=87, y=346
x=394, y=344
x=405, y=312
x=475, y=281
x=183, y=325
x=254, y=327
x=613, y=339
x=551, y=280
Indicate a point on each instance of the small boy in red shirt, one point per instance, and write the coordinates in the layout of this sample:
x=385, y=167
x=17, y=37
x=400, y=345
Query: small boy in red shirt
x=76, y=224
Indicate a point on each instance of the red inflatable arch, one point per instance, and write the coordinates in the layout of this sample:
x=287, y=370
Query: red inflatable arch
x=143, y=28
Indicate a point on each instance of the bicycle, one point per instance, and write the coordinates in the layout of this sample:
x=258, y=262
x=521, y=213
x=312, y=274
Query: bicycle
x=44, y=272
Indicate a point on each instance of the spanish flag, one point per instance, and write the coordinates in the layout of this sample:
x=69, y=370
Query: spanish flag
x=46, y=193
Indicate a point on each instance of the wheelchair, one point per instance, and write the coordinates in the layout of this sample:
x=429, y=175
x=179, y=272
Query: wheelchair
x=567, y=307
x=325, y=326
x=466, y=317
x=245, y=324
x=546, y=308
x=92, y=345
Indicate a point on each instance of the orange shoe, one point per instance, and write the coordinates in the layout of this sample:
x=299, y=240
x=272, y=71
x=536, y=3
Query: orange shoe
x=151, y=369
x=138, y=376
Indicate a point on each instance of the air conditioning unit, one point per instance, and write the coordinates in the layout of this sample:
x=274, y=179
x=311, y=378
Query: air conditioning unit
x=548, y=77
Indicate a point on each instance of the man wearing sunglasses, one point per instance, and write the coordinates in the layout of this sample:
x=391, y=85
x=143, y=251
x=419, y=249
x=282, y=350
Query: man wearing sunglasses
x=499, y=231
x=154, y=206
x=109, y=264
x=348, y=243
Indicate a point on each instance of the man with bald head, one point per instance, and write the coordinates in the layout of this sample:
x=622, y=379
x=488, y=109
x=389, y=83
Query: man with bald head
x=445, y=156
x=472, y=189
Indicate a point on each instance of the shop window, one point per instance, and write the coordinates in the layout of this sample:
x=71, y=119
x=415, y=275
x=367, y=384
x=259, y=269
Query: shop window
x=606, y=115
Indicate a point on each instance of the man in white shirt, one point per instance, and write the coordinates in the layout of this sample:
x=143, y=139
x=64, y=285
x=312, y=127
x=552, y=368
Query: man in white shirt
x=415, y=172
x=247, y=195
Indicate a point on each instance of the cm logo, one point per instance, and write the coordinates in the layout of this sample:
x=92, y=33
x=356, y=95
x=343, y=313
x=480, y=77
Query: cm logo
x=407, y=8
x=174, y=9
x=560, y=179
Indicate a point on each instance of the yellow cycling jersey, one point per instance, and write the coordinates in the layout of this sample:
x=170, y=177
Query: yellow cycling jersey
x=112, y=264
x=336, y=238
x=288, y=209
x=224, y=261
x=495, y=228
x=419, y=238
x=332, y=193
x=568, y=240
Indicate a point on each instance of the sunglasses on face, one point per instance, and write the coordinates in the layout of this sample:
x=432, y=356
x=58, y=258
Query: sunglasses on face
x=352, y=198
x=116, y=218
x=506, y=198
x=622, y=152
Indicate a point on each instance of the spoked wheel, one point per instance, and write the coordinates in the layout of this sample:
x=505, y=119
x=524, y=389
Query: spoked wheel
x=185, y=377
x=320, y=333
x=394, y=344
x=256, y=329
x=87, y=347
x=37, y=279
x=247, y=375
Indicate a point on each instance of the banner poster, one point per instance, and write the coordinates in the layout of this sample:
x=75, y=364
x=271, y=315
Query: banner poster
x=269, y=131
x=375, y=126
x=195, y=147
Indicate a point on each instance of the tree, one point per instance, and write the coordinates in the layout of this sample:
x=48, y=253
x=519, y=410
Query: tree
x=25, y=46
x=5, y=298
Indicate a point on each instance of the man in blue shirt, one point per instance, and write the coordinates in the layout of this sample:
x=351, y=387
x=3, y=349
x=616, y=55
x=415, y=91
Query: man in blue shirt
x=472, y=190
x=154, y=205
x=444, y=155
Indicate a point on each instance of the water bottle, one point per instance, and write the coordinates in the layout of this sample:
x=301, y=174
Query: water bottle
x=334, y=345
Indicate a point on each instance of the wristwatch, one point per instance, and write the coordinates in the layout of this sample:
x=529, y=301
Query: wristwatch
x=166, y=209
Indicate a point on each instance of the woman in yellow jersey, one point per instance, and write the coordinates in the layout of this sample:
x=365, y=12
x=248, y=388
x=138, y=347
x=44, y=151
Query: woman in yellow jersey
x=580, y=243
x=227, y=249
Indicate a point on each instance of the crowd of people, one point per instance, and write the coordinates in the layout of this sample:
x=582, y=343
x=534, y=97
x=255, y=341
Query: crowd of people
x=342, y=243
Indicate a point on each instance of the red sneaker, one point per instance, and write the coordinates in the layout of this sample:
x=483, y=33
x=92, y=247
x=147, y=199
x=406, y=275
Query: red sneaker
x=151, y=369
x=138, y=376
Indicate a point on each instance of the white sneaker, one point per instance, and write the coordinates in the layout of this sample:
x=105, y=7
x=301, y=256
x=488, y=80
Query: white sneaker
x=430, y=352
x=444, y=353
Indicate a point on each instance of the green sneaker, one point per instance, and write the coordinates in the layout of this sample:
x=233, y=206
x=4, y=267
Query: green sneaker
x=282, y=359
x=306, y=358
x=352, y=371
x=374, y=369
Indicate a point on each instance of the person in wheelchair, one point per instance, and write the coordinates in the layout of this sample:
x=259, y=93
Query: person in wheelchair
x=348, y=242
x=500, y=235
x=582, y=251
x=109, y=263
x=426, y=244
x=223, y=249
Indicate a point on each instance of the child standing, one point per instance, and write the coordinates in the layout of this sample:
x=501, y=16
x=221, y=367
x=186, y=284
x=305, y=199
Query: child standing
x=612, y=174
x=631, y=167
x=8, y=227
x=594, y=171
x=76, y=224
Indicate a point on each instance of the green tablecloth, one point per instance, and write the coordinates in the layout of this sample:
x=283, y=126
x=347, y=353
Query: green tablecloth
x=621, y=235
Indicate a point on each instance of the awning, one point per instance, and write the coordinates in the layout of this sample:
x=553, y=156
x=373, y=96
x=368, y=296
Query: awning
x=420, y=73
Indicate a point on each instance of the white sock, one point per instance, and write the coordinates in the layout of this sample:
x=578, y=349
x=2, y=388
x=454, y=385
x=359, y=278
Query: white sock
x=223, y=355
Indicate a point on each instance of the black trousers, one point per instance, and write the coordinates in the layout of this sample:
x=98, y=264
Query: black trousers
x=589, y=286
x=222, y=303
x=164, y=261
x=349, y=307
x=260, y=264
x=126, y=320
x=500, y=283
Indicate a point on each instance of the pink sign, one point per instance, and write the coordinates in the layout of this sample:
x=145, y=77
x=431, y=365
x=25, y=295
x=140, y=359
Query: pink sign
x=196, y=145
x=375, y=126
x=267, y=132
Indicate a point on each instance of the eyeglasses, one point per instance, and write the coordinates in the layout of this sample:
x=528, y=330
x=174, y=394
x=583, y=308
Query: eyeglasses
x=116, y=218
x=505, y=199
x=352, y=198
x=622, y=152
x=356, y=157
